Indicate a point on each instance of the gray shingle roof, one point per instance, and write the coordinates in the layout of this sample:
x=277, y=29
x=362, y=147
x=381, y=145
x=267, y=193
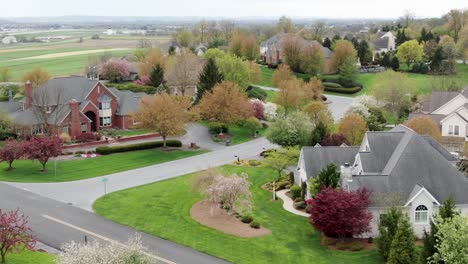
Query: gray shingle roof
x=438, y=99
x=405, y=159
x=62, y=90
x=316, y=158
x=128, y=101
x=9, y=107
x=381, y=43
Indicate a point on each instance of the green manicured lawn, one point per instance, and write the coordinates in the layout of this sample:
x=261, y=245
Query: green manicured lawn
x=27, y=171
x=266, y=76
x=421, y=82
x=29, y=257
x=163, y=209
x=133, y=132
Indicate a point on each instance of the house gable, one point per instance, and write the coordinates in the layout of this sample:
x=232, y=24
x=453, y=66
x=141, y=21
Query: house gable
x=451, y=106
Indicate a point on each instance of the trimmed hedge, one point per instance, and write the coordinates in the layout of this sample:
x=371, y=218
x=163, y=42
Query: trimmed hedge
x=4, y=98
x=332, y=85
x=256, y=92
x=344, y=90
x=133, y=87
x=106, y=150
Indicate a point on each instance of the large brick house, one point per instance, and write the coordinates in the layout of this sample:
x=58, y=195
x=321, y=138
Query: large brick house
x=72, y=105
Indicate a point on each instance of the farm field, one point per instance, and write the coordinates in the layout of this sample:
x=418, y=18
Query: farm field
x=68, y=57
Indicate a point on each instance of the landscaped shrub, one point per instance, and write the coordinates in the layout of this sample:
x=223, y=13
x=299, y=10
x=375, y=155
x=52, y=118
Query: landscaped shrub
x=308, y=207
x=291, y=177
x=344, y=90
x=254, y=224
x=105, y=150
x=256, y=92
x=217, y=127
x=331, y=85
x=246, y=219
x=355, y=246
x=88, y=137
x=65, y=137
x=254, y=163
x=7, y=135
x=4, y=98
x=133, y=87
x=296, y=191
x=298, y=199
x=300, y=205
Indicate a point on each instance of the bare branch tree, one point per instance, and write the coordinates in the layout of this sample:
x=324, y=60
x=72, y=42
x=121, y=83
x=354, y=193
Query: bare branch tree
x=48, y=105
x=184, y=72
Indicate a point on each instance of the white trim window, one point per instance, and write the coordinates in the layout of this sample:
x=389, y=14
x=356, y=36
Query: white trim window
x=454, y=130
x=65, y=130
x=421, y=215
x=105, y=121
x=84, y=128
x=104, y=102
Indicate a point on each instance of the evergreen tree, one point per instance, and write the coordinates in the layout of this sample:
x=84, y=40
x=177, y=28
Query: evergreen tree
x=355, y=43
x=328, y=177
x=437, y=60
x=386, y=60
x=402, y=249
x=395, y=63
x=387, y=229
x=364, y=52
x=171, y=50
x=327, y=43
x=348, y=72
x=209, y=77
x=336, y=38
x=319, y=132
x=429, y=36
x=423, y=36
x=446, y=211
x=157, y=76
x=401, y=37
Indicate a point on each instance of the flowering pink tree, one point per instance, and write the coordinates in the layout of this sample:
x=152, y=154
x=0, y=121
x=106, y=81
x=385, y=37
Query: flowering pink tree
x=258, y=109
x=15, y=234
x=115, y=70
x=338, y=213
x=144, y=80
x=42, y=149
x=12, y=151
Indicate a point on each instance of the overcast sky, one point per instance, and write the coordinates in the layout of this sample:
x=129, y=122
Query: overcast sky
x=230, y=8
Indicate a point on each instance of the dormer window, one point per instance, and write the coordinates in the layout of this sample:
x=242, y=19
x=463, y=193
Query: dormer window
x=104, y=102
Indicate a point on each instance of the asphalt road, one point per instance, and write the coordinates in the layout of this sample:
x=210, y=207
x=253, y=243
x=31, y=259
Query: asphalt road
x=56, y=223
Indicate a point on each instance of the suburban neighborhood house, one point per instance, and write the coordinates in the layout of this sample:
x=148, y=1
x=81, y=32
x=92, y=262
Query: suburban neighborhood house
x=272, y=54
x=399, y=167
x=385, y=42
x=449, y=110
x=72, y=105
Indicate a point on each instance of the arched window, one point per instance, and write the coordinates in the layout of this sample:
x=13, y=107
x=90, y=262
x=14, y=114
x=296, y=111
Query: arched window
x=421, y=214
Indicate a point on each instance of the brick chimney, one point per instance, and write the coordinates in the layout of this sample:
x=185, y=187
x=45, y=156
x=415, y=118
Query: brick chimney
x=28, y=94
x=75, y=124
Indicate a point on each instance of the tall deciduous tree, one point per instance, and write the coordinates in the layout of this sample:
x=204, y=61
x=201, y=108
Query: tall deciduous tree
x=184, y=72
x=452, y=237
x=209, y=77
x=15, y=233
x=115, y=70
x=37, y=77
x=394, y=90
x=42, y=149
x=13, y=150
x=402, y=249
x=349, y=215
x=319, y=113
x=285, y=24
x=164, y=114
x=424, y=125
x=226, y=104
x=283, y=73
x=462, y=45
x=456, y=21
x=353, y=126
x=292, y=46
x=410, y=51
x=148, y=60
x=342, y=50
x=313, y=60
x=185, y=38
x=281, y=159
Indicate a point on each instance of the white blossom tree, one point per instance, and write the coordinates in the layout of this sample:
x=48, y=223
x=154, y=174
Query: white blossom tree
x=94, y=252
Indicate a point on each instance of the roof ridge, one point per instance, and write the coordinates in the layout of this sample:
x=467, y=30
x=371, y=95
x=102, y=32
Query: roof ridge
x=396, y=155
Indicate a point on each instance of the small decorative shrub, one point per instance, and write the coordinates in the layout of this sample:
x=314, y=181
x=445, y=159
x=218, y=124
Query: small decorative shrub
x=217, y=128
x=65, y=137
x=370, y=240
x=328, y=241
x=87, y=137
x=246, y=219
x=298, y=199
x=300, y=205
x=254, y=224
x=254, y=163
x=356, y=246
x=291, y=177
x=295, y=191
x=308, y=207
